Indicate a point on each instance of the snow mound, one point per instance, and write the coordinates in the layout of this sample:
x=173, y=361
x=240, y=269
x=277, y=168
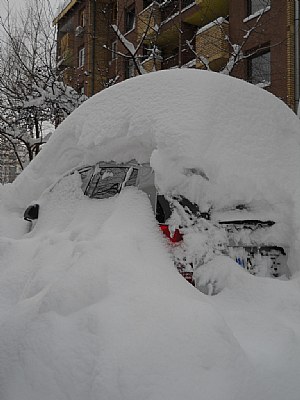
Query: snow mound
x=217, y=140
x=91, y=307
x=244, y=139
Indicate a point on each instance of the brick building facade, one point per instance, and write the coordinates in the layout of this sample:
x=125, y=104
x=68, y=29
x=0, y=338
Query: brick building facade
x=83, y=30
x=272, y=45
x=180, y=33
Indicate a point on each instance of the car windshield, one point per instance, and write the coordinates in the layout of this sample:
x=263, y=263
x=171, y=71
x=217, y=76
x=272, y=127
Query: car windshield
x=103, y=182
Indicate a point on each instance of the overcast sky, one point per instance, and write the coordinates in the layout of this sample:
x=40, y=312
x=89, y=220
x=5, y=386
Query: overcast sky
x=18, y=4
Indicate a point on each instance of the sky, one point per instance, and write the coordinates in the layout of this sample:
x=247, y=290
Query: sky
x=18, y=4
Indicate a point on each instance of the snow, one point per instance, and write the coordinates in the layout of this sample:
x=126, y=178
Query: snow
x=244, y=139
x=264, y=316
x=229, y=136
x=217, y=22
x=257, y=14
x=129, y=46
x=91, y=306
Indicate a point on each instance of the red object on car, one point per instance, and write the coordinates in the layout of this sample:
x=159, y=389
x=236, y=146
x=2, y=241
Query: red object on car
x=175, y=238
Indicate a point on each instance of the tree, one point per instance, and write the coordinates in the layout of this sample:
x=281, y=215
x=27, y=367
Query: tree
x=215, y=50
x=32, y=93
x=133, y=53
x=217, y=40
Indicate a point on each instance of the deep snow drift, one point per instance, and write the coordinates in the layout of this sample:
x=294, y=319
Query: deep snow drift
x=244, y=140
x=91, y=306
x=230, y=129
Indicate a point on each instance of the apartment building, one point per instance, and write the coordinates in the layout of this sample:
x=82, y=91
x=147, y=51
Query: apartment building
x=83, y=29
x=9, y=166
x=272, y=48
x=101, y=42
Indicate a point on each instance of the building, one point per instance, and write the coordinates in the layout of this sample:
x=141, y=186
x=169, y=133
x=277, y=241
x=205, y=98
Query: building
x=273, y=48
x=83, y=30
x=101, y=42
x=9, y=165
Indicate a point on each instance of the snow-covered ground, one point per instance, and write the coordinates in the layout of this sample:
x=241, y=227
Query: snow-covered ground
x=91, y=306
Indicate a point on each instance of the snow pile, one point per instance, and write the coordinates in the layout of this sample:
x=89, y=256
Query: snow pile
x=264, y=316
x=215, y=139
x=91, y=306
x=244, y=139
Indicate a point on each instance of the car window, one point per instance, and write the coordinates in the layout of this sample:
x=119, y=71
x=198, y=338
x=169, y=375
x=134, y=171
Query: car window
x=86, y=175
x=163, y=210
x=131, y=181
x=107, y=181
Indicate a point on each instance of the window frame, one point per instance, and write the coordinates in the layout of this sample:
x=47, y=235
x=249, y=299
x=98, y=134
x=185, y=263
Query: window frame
x=91, y=188
x=82, y=18
x=114, y=55
x=253, y=8
x=81, y=57
x=253, y=77
x=129, y=18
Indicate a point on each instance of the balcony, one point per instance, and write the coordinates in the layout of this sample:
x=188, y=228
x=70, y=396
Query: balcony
x=211, y=43
x=151, y=65
x=63, y=9
x=195, y=12
x=206, y=11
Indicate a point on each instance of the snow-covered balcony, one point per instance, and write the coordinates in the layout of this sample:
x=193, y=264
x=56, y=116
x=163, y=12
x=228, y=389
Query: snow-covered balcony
x=195, y=12
x=63, y=8
x=212, y=44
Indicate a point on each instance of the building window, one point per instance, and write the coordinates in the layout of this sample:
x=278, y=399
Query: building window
x=257, y=5
x=114, y=12
x=81, y=90
x=130, y=18
x=81, y=57
x=129, y=68
x=114, y=50
x=146, y=51
x=147, y=3
x=259, y=69
x=81, y=21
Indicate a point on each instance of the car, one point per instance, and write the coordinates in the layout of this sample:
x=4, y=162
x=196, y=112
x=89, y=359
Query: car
x=257, y=256
x=222, y=162
x=203, y=147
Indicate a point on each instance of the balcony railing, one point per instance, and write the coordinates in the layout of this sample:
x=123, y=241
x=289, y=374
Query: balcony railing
x=212, y=44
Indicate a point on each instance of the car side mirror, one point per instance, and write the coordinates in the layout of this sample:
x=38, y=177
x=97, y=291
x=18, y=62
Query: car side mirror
x=32, y=212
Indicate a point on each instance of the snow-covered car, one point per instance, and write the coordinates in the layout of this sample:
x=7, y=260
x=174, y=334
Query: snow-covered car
x=228, y=158
x=91, y=304
x=247, y=239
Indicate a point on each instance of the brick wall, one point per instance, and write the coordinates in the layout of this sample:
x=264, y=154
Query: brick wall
x=274, y=31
